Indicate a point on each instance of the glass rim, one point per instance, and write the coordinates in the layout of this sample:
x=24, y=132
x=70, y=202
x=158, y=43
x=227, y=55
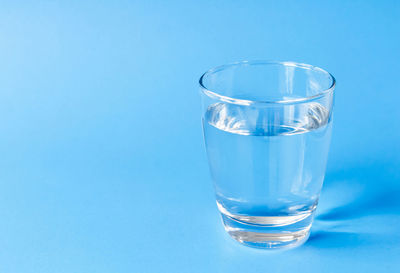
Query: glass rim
x=216, y=95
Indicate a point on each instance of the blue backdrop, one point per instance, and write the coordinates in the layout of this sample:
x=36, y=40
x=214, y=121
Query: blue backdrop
x=102, y=165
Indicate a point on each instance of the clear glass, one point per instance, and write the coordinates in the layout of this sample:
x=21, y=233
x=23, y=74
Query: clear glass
x=267, y=128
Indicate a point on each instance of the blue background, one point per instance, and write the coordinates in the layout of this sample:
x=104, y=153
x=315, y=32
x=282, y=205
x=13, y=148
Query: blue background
x=102, y=165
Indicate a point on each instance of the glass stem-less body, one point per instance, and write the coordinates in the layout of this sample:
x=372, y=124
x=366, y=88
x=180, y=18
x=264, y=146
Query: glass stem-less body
x=267, y=162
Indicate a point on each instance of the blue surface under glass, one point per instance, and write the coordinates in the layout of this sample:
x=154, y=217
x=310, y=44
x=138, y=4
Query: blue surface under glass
x=103, y=166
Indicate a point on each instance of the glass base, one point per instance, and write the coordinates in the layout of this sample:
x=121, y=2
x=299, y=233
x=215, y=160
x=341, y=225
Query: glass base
x=269, y=232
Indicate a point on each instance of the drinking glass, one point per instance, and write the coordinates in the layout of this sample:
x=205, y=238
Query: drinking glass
x=267, y=129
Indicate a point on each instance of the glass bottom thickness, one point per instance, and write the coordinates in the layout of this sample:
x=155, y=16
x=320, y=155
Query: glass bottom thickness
x=280, y=232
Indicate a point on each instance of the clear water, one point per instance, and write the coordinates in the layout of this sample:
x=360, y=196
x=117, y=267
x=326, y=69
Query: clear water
x=267, y=165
